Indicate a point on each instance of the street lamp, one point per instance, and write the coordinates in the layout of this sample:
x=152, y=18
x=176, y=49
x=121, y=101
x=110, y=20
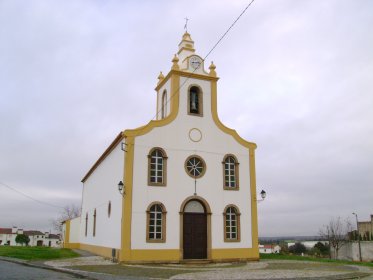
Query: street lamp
x=121, y=189
x=358, y=235
x=263, y=195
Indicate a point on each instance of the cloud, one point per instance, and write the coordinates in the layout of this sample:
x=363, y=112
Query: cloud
x=295, y=77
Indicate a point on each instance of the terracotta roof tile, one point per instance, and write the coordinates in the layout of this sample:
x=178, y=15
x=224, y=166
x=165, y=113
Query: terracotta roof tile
x=5, y=230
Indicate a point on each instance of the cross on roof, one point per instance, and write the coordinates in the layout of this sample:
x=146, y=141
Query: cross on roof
x=186, y=24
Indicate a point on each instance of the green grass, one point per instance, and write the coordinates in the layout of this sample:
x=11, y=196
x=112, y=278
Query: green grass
x=36, y=253
x=312, y=259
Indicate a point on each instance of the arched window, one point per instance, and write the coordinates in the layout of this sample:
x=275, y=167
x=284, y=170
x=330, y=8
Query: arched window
x=231, y=224
x=230, y=169
x=94, y=223
x=164, y=104
x=86, y=224
x=157, y=167
x=195, y=101
x=156, y=223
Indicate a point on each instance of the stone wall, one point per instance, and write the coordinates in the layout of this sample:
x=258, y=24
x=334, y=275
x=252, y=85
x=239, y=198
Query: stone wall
x=350, y=251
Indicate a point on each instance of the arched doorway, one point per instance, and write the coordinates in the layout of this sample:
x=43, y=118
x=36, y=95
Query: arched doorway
x=195, y=222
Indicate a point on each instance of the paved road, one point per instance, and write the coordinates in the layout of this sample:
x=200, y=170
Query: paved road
x=10, y=271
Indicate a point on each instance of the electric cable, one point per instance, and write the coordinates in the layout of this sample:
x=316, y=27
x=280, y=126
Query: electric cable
x=30, y=197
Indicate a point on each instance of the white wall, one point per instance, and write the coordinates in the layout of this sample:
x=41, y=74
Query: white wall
x=174, y=139
x=8, y=237
x=350, y=251
x=100, y=188
x=74, y=230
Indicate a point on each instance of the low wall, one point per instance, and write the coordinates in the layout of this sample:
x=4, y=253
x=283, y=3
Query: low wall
x=350, y=251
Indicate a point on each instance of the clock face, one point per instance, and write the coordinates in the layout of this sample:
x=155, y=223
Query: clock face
x=195, y=62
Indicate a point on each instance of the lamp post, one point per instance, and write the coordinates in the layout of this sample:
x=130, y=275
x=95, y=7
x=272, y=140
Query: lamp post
x=358, y=235
x=121, y=188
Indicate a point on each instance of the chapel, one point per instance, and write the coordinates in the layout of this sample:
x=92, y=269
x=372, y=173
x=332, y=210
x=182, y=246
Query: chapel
x=178, y=189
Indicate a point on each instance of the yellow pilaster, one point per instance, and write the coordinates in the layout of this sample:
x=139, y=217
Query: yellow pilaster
x=125, y=253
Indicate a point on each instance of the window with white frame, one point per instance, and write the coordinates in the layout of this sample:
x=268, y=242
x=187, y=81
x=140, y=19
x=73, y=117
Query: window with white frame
x=157, y=167
x=231, y=224
x=156, y=223
x=230, y=169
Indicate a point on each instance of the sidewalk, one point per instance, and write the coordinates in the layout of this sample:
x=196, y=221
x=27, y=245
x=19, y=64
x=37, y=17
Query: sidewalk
x=267, y=269
x=95, y=267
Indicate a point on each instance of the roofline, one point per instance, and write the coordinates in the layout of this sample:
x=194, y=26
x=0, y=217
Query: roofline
x=104, y=155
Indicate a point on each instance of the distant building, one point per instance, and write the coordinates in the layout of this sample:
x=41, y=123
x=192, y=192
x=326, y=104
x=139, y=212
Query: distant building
x=37, y=238
x=308, y=244
x=269, y=249
x=366, y=229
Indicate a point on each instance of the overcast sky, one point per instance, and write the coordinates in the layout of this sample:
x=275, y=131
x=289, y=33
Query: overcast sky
x=296, y=77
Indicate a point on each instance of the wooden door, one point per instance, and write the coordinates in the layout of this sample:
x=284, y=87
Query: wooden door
x=195, y=235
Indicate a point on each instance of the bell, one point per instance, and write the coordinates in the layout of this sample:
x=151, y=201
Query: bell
x=194, y=105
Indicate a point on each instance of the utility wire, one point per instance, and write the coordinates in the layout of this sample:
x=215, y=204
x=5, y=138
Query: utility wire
x=30, y=197
x=230, y=27
x=211, y=50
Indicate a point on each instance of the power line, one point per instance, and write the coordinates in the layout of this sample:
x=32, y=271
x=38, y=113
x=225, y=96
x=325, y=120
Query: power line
x=230, y=27
x=211, y=50
x=30, y=197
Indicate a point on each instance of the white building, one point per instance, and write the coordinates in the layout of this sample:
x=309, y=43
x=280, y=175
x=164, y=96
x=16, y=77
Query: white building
x=189, y=181
x=269, y=249
x=37, y=238
x=307, y=244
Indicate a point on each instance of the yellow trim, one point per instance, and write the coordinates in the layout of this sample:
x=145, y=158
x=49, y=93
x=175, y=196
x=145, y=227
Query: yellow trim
x=225, y=129
x=251, y=146
x=173, y=255
x=126, y=253
x=127, y=200
x=175, y=82
x=186, y=48
x=129, y=255
x=185, y=74
x=99, y=250
x=235, y=254
x=158, y=255
x=67, y=228
x=72, y=245
x=254, y=213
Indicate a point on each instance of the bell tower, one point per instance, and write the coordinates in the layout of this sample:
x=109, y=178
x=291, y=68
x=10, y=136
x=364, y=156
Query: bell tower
x=185, y=63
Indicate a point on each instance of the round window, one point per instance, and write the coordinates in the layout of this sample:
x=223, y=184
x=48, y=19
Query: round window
x=195, y=166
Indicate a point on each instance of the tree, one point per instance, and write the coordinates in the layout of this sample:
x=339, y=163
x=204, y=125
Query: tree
x=297, y=248
x=67, y=213
x=321, y=248
x=336, y=232
x=22, y=239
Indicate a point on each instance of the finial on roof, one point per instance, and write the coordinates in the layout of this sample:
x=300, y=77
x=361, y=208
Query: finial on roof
x=212, y=69
x=160, y=77
x=175, y=65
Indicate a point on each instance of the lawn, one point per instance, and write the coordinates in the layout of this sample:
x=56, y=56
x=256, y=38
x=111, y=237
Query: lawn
x=312, y=259
x=36, y=253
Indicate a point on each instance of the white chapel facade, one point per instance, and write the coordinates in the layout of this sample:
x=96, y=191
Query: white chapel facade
x=189, y=181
